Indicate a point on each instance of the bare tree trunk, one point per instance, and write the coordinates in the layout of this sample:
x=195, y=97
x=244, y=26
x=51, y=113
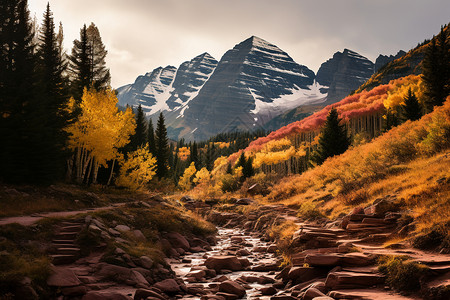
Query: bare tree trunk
x=78, y=165
x=94, y=175
x=88, y=175
x=111, y=174
x=85, y=165
x=69, y=171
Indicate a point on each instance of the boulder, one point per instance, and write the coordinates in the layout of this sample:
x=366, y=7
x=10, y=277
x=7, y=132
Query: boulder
x=243, y=252
x=139, y=235
x=178, y=241
x=227, y=296
x=312, y=293
x=256, y=189
x=232, y=288
x=268, y=291
x=104, y=295
x=169, y=286
x=302, y=274
x=146, y=262
x=342, y=280
x=223, y=263
x=244, y=201
x=323, y=260
x=142, y=294
x=122, y=228
x=62, y=277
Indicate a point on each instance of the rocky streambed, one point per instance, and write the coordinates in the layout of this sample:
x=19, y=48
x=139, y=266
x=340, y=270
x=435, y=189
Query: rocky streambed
x=239, y=265
x=326, y=260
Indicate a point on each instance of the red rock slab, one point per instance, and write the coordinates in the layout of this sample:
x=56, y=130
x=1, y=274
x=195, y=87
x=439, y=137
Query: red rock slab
x=342, y=279
x=366, y=294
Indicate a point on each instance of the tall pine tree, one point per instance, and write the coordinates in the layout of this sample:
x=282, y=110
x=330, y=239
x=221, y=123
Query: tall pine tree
x=20, y=126
x=53, y=97
x=411, y=110
x=436, y=70
x=333, y=139
x=162, y=148
x=100, y=75
x=151, y=138
x=139, y=138
x=80, y=68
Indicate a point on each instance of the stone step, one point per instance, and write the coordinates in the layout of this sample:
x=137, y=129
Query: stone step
x=63, y=242
x=366, y=294
x=352, y=280
x=63, y=259
x=71, y=228
x=440, y=269
x=69, y=250
x=66, y=235
x=378, y=221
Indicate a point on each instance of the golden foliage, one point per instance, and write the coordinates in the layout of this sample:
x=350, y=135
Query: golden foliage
x=185, y=181
x=101, y=128
x=399, y=90
x=183, y=153
x=138, y=169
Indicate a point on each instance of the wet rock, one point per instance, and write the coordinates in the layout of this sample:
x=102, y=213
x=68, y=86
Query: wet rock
x=283, y=297
x=265, y=280
x=244, y=262
x=227, y=296
x=62, y=277
x=104, y=295
x=219, y=263
x=272, y=248
x=268, y=291
x=323, y=298
x=232, y=287
x=169, y=286
x=243, y=252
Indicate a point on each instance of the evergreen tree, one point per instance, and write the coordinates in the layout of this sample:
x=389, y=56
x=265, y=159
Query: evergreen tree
x=436, y=70
x=333, y=139
x=248, y=170
x=162, y=147
x=52, y=99
x=411, y=110
x=241, y=161
x=210, y=156
x=80, y=67
x=229, y=169
x=140, y=136
x=151, y=137
x=100, y=75
x=20, y=124
x=171, y=159
x=390, y=120
x=194, y=155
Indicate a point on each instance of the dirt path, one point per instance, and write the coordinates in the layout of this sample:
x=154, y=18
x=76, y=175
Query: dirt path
x=33, y=218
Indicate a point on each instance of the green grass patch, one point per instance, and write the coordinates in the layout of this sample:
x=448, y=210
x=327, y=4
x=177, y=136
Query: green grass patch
x=401, y=273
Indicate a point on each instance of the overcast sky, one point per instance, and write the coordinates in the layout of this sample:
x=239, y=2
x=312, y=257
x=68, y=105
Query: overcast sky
x=141, y=35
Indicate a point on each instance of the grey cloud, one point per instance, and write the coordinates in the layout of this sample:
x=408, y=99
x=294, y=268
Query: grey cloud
x=144, y=34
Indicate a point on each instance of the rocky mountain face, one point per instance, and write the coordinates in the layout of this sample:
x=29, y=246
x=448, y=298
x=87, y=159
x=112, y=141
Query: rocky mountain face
x=343, y=73
x=383, y=60
x=168, y=88
x=252, y=84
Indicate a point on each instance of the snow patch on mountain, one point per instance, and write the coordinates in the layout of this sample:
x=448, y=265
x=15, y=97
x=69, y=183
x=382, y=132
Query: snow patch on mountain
x=297, y=97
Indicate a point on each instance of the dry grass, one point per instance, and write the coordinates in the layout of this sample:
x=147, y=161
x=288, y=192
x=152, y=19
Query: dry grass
x=19, y=200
